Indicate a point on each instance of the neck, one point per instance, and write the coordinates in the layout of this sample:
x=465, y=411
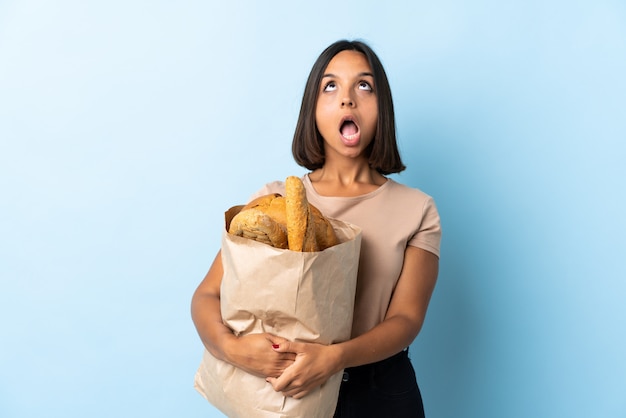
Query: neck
x=346, y=180
x=346, y=176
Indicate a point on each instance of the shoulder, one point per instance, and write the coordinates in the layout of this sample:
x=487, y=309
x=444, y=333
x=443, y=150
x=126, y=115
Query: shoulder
x=412, y=203
x=408, y=194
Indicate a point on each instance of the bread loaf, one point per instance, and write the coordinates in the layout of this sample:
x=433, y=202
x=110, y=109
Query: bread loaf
x=262, y=220
x=285, y=222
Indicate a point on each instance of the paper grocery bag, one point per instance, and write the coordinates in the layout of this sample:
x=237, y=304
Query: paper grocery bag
x=300, y=296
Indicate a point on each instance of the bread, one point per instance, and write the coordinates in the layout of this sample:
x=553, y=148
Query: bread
x=300, y=225
x=288, y=222
x=262, y=220
x=324, y=232
x=272, y=204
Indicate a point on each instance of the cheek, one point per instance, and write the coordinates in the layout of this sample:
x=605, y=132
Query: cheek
x=322, y=118
x=372, y=120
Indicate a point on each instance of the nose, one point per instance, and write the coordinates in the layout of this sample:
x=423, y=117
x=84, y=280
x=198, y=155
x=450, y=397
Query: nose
x=347, y=102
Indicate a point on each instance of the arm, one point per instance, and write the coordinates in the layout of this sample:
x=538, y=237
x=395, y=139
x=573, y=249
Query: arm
x=252, y=353
x=315, y=363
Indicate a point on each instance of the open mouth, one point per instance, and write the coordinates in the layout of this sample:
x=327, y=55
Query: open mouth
x=349, y=129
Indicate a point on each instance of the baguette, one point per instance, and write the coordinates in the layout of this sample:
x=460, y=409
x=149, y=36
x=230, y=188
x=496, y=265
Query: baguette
x=300, y=225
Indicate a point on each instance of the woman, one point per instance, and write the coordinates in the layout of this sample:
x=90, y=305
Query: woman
x=346, y=136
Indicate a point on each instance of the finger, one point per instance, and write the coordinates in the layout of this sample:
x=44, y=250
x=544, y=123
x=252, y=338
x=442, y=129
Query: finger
x=281, y=345
x=288, y=347
x=284, y=351
x=282, y=382
x=301, y=394
x=274, y=382
x=286, y=358
x=283, y=387
x=296, y=393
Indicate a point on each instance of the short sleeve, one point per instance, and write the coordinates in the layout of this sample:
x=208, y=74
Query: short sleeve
x=428, y=235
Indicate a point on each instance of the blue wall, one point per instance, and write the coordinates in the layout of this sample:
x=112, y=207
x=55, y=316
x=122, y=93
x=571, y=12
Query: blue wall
x=127, y=128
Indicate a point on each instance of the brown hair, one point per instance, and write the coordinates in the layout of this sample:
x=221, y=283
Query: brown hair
x=308, y=145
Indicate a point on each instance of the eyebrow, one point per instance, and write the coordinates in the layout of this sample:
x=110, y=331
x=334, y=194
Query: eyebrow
x=363, y=74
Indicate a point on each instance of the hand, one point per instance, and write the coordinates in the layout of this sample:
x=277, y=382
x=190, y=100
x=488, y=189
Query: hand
x=255, y=355
x=313, y=365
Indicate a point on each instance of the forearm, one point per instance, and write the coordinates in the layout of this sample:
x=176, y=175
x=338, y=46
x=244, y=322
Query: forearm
x=405, y=315
x=206, y=316
x=383, y=341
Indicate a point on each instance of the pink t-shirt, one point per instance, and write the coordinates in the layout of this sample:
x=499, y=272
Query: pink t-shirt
x=391, y=217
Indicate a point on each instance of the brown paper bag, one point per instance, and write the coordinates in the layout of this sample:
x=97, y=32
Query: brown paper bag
x=305, y=296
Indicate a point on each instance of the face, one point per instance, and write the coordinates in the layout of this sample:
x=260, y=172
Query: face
x=347, y=109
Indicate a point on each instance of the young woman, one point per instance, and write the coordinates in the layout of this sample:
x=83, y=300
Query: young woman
x=345, y=136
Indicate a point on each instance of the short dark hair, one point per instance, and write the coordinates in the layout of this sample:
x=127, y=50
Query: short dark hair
x=308, y=145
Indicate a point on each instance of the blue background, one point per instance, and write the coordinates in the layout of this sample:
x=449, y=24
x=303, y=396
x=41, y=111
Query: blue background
x=128, y=127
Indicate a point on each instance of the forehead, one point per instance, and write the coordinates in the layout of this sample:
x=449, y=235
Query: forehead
x=348, y=62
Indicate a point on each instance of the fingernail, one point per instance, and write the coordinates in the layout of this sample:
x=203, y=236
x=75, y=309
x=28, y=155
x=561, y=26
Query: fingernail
x=275, y=346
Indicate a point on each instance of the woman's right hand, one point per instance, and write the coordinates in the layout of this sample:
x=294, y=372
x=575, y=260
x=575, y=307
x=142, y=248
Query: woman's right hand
x=254, y=354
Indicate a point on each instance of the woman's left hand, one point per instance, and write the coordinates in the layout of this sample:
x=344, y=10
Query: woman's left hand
x=314, y=364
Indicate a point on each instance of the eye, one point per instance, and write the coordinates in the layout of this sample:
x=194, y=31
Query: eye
x=330, y=86
x=364, y=85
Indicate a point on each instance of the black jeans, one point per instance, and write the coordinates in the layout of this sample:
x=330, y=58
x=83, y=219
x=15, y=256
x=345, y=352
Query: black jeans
x=387, y=389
